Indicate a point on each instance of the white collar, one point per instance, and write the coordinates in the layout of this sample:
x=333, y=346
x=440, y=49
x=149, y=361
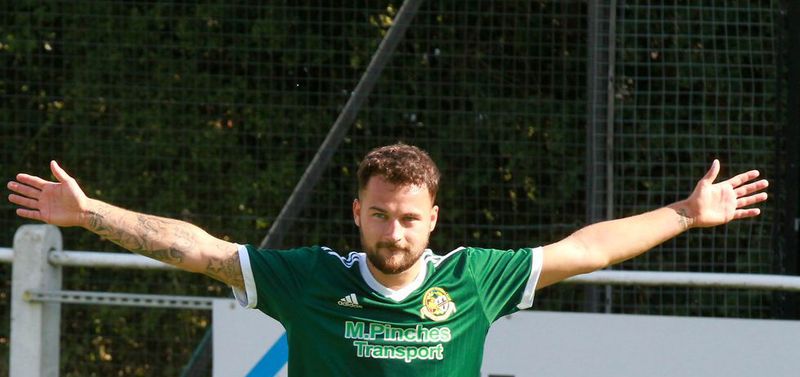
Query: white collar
x=399, y=294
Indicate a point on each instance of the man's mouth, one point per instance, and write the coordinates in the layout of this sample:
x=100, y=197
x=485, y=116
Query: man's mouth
x=393, y=248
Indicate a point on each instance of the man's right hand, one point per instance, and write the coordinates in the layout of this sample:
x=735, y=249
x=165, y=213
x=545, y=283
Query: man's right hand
x=60, y=203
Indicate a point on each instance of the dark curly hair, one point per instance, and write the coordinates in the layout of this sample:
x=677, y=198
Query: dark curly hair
x=400, y=164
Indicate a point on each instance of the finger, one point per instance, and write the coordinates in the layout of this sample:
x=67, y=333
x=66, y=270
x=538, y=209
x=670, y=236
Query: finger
x=745, y=213
x=742, y=178
x=24, y=190
x=23, y=201
x=750, y=200
x=58, y=172
x=712, y=173
x=29, y=214
x=751, y=188
x=32, y=181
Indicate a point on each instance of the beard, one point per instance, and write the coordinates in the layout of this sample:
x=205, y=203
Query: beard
x=389, y=258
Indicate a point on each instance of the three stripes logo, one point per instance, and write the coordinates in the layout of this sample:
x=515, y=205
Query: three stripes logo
x=350, y=301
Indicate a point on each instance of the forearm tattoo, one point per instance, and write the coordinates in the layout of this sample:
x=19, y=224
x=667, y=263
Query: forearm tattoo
x=166, y=240
x=150, y=236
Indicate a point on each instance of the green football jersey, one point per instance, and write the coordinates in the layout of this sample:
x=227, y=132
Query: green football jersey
x=340, y=321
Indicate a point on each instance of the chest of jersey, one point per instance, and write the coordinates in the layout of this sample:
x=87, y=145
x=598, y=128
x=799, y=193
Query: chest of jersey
x=341, y=322
x=438, y=327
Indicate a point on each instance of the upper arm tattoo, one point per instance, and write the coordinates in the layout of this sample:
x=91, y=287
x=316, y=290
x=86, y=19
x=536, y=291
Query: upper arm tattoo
x=226, y=269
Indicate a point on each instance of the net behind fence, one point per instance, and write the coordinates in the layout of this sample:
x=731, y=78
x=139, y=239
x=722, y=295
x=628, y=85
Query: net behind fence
x=694, y=83
x=210, y=113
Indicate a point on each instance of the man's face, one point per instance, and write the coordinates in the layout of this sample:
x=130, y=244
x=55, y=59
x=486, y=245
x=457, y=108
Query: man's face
x=395, y=223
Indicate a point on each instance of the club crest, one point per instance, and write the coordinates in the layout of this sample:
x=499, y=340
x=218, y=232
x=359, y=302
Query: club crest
x=437, y=305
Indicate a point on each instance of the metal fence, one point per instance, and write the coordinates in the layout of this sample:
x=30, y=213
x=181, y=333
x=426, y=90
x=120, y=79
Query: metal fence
x=543, y=115
x=690, y=82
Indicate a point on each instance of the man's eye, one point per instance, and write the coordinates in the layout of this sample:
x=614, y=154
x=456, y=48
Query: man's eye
x=378, y=215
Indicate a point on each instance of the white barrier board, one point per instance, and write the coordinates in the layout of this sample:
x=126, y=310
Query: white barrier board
x=246, y=342
x=530, y=343
x=614, y=345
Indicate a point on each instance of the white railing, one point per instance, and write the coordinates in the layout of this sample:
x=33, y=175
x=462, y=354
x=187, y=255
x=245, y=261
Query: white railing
x=36, y=293
x=6, y=255
x=690, y=279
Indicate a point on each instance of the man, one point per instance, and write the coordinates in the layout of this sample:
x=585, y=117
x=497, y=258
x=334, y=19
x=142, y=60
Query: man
x=395, y=309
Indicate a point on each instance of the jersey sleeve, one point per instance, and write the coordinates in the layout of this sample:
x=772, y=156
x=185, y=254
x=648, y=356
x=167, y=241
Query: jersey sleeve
x=273, y=279
x=505, y=279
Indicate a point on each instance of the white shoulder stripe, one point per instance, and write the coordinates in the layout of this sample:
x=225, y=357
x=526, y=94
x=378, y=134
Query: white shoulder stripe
x=537, y=260
x=247, y=297
x=348, y=261
x=438, y=259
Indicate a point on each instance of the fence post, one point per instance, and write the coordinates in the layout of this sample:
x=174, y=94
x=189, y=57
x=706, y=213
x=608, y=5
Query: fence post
x=600, y=86
x=787, y=261
x=35, y=326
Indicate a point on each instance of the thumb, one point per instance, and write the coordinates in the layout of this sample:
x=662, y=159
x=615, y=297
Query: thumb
x=712, y=173
x=58, y=172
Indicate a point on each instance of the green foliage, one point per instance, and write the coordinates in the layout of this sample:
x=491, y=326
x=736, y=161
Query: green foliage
x=211, y=112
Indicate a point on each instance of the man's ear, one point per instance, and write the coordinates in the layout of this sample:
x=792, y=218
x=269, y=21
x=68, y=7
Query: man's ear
x=357, y=212
x=434, y=217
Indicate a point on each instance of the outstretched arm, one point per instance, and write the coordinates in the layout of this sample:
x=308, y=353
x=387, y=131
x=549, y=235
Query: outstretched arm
x=178, y=243
x=605, y=243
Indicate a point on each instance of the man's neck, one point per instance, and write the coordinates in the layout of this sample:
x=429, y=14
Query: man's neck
x=399, y=280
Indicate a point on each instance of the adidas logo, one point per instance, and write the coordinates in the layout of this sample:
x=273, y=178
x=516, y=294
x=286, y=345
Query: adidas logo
x=350, y=301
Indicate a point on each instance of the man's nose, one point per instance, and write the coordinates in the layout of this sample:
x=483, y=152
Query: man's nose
x=394, y=231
